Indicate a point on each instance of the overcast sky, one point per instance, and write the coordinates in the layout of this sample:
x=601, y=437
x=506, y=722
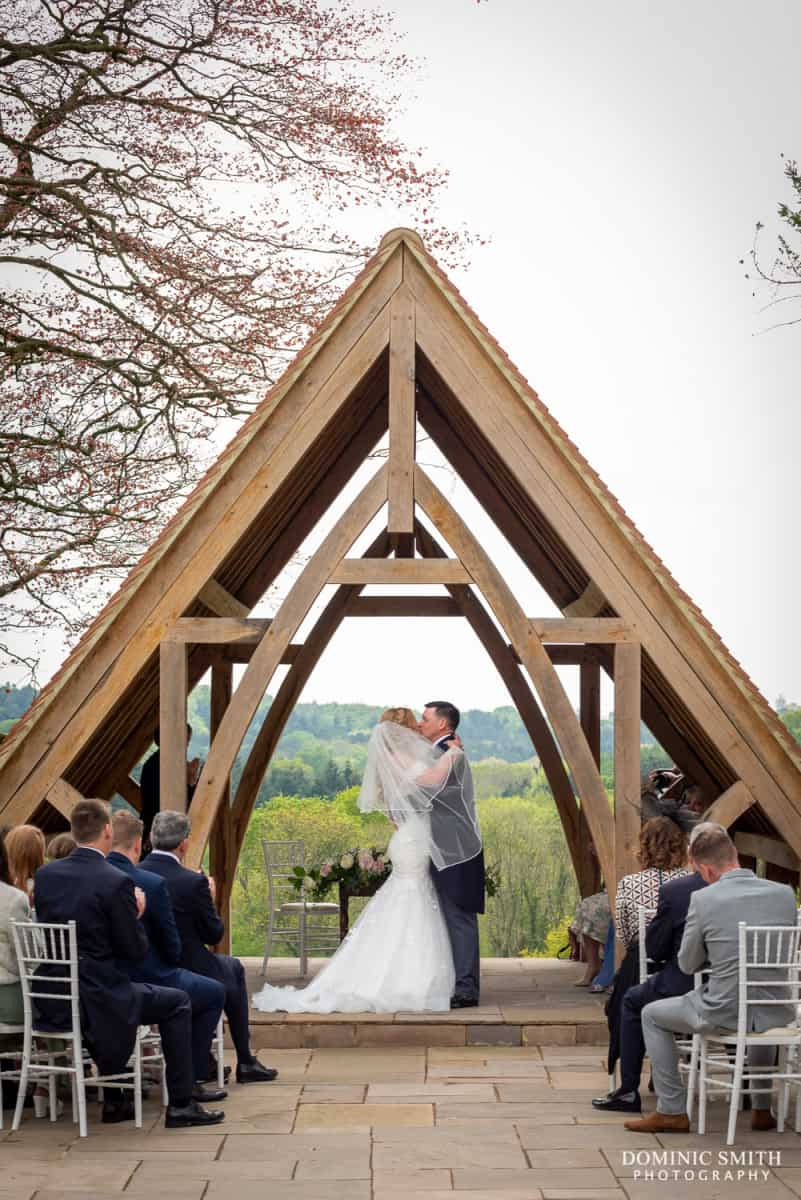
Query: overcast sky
x=619, y=156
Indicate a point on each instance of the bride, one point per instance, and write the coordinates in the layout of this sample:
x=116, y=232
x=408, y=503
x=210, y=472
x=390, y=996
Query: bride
x=398, y=955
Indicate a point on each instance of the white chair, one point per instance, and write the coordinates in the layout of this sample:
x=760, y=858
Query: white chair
x=290, y=919
x=56, y=946
x=768, y=960
x=644, y=918
x=10, y=1073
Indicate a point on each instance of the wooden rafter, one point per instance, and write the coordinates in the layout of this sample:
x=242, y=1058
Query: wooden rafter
x=507, y=667
x=272, y=727
x=400, y=489
x=534, y=658
x=267, y=656
x=221, y=602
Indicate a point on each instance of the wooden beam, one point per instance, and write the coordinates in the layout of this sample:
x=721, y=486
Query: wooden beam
x=267, y=738
x=543, y=674
x=261, y=668
x=399, y=570
x=504, y=660
x=172, y=725
x=592, y=630
x=547, y=467
x=591, y=602
x=207, y=631
x=63, y=796
x=590, y=718
x=768, y=849
x=267, y=455
x=242, y=652
x=402, y=418
x=730, y=805
x=628, y=688
x=223, y=852
x=129, y=790
x=404, y=606
x=221, y=602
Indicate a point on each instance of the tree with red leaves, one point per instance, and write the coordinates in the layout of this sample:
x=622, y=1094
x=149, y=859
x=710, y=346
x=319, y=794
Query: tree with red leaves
x=172, y=180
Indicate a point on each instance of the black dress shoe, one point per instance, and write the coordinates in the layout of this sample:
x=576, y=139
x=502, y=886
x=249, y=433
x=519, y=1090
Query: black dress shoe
x=619, y=1101
x=204, y=1095
x=254, y=1072
x=211, y=1077
x=463, y=1002
x=115, y=1111
x=181, y=1116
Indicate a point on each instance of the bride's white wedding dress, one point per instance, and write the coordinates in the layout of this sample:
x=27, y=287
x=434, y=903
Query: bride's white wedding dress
x=396, y=957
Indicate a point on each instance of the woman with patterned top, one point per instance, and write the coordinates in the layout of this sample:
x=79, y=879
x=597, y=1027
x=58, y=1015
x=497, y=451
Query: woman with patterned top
x=663, y=855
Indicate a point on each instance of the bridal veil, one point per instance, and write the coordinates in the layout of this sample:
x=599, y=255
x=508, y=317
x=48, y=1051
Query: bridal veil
x=406, y=777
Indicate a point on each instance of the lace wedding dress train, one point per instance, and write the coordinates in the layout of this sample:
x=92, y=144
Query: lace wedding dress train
x=396, y=957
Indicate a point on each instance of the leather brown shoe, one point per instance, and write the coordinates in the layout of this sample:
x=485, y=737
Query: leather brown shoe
x=657, y=1122
x=762, y=1119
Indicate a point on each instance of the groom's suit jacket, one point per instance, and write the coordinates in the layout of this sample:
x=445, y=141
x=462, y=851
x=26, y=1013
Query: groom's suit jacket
x=464, y=883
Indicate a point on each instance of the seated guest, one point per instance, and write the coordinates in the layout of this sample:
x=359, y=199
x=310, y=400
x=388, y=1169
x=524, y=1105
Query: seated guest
x=590, y=926
x=60, y=846
x=711, y=943
x=150, y=783
x=199, y=926
x=161, y=964
x=14, y=906
x=663, y=856
x=662, y=940
x=106, y=909
x=25, y=851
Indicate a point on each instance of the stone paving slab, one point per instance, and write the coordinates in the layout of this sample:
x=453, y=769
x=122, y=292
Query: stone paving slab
x=391, y=1122
x=362, y=1116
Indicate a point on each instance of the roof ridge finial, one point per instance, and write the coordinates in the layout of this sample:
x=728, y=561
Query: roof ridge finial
x=402, y=233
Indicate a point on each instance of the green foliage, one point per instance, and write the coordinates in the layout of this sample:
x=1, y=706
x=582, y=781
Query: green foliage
x=791, y=716
x=523, y=836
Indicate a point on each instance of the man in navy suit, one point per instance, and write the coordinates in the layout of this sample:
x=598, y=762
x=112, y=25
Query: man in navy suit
x=199, y=927
x=161, y=964
x=460, y=887
x=107, y=909
x=662, y=940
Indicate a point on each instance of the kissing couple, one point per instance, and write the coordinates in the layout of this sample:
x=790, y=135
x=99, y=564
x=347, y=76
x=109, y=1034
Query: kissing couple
x=414, y=947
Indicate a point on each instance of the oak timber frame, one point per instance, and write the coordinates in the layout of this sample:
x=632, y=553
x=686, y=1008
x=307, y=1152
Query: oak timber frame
x=403, y=350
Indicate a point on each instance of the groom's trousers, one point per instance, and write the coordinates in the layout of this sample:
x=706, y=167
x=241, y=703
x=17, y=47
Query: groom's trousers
x=463, y=932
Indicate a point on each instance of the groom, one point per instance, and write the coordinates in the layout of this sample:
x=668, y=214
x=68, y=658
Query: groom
x=460, y=887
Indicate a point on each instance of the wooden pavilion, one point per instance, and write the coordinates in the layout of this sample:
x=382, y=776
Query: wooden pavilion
x=403, y=347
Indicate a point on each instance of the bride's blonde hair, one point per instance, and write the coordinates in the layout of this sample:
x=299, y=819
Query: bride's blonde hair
x=400, y=716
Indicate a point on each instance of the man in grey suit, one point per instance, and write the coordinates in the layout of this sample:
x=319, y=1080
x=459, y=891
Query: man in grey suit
x=710, y=941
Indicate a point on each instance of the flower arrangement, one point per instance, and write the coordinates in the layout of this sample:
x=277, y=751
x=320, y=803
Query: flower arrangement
x=357, y=870
x=361, y=871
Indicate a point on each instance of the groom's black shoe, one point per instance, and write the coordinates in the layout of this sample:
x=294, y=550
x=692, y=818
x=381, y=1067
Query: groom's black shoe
x=463, y=1002
x=254, y=1072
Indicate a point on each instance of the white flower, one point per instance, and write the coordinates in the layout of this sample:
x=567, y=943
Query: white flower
x=308, y=884
x=346, y=862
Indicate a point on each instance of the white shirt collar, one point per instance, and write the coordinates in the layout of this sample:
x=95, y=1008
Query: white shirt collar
x=444, y=738
x=168, y=854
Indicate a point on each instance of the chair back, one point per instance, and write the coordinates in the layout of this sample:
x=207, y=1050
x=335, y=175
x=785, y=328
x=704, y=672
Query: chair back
x=48, y=966
x=644, y=918
x=280, y=860
x=768, y=971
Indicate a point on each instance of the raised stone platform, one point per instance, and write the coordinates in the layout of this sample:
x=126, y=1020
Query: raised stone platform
x=524, y=1001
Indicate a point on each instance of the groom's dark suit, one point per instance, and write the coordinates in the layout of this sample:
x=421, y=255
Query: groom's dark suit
x=461, y=894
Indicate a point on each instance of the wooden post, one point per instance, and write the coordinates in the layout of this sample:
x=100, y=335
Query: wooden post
x=172, y=725
x=627, y=762
x=589, y=879
x=222, y=852
x=400, y=485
